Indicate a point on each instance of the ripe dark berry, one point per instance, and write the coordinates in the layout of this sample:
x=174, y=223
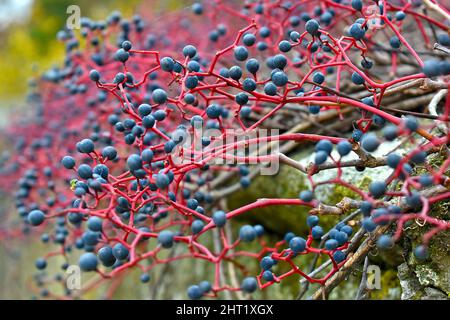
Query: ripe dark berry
x=247, y=233
x=306, y=196
x=122, y=55
x=197, y=226
x=357, y=4
x=40, y=264
x=284, y=46
x=370, y=142
x=356, y=31
x=377, y=188
x=167, y=64
x=120, y=252
x=344, y=147
x=36, y=217
x=165, y=238
x=219, y=218
x=312, y=221
x=95, y=223
x=312, y=26
x=159, y=96
x=421, y=253
x=189, y=51
x=85, y=146
x=194, y=292
x=88, y=261
x=357, y=79
x=68, y=162
x=249, y=285
x=94, y=75
x=339, y=256
x=297, y=244
x=384, y=242
x=240, y=53
x=249, y=39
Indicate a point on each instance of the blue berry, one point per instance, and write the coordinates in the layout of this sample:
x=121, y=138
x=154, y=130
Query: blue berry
x=94, y=224
x=368, y=224
x=370, y=142
x=344, y=147
x=356, y=31
x=40, y=263
x=393, y=160
x=324, y=145
x=134, y=162
x=167, y=64
x=318, y=77
x=120, y=252
x=241, y=98
x=268, y=275
x=36, y=217
x=425, y=180
x=284, y=46
x=400, y=15
x=165, y=238
x=384, y=242
x=159, y=96
x=94, y=75
x=357, y=79
x=312, y=26
x=68, y=162
x=421, y=253
x=205, y=286
x=297, y=244
x=147, y=155
x=197, y=8
x=357, y=135
x=312, y=221
x=411, y=123
x=279, y=61
x=249, y=285
x=317, y=232
x=338, y=256
x=321, y=157
x=357, y=5
x=395, y=42
x=249, y=39
x=377, y=188
x=279, y=78
x=331, y=244
x=88, y=261
x=249, y=84
x=189, y=51
x=259, y=229
x=197, y=226
x=194, y=292
x=390, y=132
x=306, y=196
x=443, y=39
x=240, y=53
x=235, y=72
x=270, y=89
x=247, y=233
x=252, y=65
x=144, y=278
x=122, y=55
x=219, y=218
x=105, y=255
x=266, y=263
x=213, y=111
x=85, y=146
x=162, y=180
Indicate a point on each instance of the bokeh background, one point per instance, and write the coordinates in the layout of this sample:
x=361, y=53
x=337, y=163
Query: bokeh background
x=28, y=47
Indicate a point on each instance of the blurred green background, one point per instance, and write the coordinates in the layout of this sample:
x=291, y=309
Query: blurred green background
x=28, y=44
